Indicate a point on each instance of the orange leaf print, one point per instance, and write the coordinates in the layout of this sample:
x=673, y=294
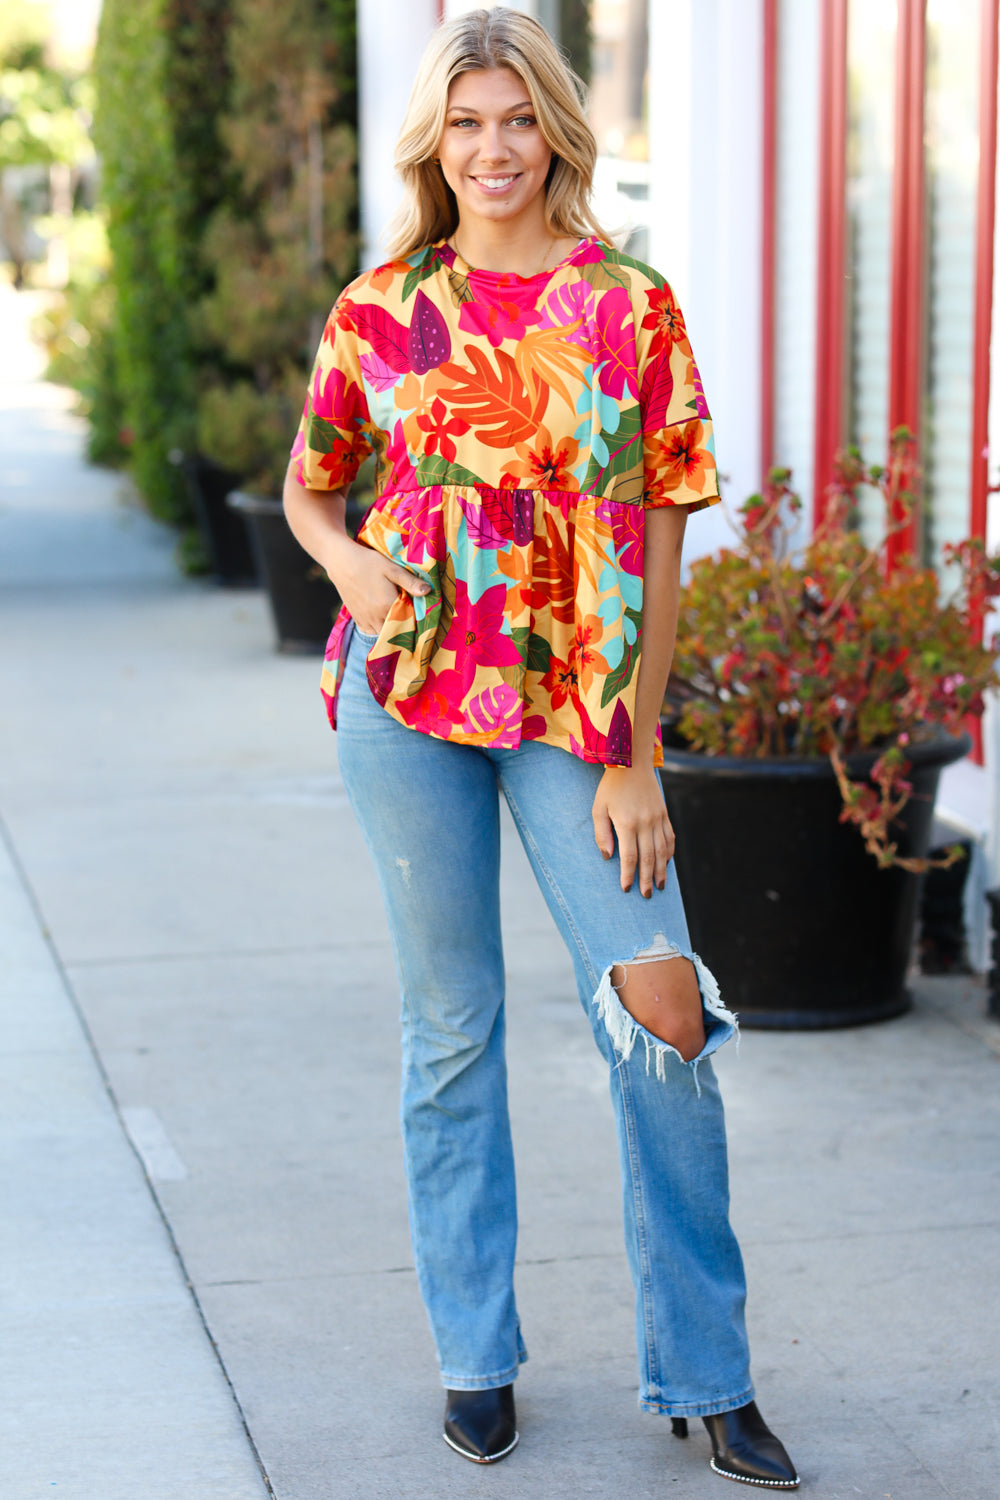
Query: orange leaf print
x=552, y=573
x=544, y=355
x=493, y=400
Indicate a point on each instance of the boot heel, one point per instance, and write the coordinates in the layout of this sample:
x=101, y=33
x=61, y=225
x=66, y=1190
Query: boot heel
x=679, y=1426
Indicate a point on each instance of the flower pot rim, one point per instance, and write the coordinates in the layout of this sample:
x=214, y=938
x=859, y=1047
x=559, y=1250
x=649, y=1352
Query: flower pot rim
x=940, y=749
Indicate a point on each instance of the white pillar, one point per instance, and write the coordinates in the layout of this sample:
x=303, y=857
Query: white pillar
x=391, y=40
x=705, y=117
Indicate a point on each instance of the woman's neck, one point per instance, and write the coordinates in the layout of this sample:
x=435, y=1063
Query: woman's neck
x=519, y=249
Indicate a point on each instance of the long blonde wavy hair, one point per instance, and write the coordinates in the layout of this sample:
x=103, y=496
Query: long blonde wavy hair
x=498, y=38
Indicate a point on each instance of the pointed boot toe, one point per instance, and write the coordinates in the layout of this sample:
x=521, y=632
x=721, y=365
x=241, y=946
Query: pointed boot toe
x=480, y=1425
x=745, y=1449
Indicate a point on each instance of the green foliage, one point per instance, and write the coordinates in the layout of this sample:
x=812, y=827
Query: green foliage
x=77, y=330
x=828, y=651
x=282, y=245
x=576, y=36
x=44, y=120
x=151, y=356
x=196, y=82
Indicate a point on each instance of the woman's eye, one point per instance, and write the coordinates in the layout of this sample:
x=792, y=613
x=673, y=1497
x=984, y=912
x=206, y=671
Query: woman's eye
x=523, y=120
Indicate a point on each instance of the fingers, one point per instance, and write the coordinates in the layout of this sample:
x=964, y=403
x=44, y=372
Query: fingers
x=645, y=851
x=604, y=834
x=404, y=579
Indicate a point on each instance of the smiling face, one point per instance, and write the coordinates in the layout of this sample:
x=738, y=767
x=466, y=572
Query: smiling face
x=493, y=154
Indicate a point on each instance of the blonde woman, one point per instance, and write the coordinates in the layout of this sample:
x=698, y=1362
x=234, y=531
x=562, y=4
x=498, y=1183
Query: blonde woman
x=510, y=606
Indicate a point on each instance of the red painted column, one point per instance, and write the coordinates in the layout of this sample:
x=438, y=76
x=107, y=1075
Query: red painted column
x=768, y=234
x=831, y=259
x=983, y=317
x=985, y=214
x=906, y=336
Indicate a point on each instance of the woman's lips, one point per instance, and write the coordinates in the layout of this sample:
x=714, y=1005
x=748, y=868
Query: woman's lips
x=496, y=185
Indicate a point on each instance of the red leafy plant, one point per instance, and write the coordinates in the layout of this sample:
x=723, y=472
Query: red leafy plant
x=828, y=650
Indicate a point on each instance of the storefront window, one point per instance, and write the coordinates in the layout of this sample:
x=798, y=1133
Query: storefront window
x=952, y=163
x=607, y=42
x=871, y=67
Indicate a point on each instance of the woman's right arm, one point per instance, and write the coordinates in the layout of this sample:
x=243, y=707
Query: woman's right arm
x=368, y=582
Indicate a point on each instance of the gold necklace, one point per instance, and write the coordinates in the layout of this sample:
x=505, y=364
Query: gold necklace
x=453, y=242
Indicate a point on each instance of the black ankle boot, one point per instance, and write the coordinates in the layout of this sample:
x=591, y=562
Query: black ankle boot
x=744, y=1448
x=481, y=1424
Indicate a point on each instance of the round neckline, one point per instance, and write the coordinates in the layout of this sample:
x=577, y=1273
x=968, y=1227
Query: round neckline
x=451, y=256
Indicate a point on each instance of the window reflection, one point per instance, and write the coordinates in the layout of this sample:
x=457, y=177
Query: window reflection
x=607, y=42
x=952, y=146
x=871, y=69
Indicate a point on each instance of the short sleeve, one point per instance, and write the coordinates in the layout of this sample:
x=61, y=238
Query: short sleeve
x=335, y=433
x=677, y=440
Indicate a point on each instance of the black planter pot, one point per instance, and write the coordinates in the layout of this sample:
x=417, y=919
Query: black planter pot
x=304, y=602
x=223, y=529
x=795, y=919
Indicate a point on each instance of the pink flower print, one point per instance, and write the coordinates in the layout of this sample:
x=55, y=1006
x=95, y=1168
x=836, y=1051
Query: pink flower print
x=337, y=399
x=497, y=321
x=475, y=632
x=572, y=303
x=435, y=709
x=627, y=524
x=497, y=712
x=399, y=471
x=377, y=373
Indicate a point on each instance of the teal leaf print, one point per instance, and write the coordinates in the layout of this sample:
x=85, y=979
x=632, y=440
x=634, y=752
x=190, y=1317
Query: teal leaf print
x=425, y=266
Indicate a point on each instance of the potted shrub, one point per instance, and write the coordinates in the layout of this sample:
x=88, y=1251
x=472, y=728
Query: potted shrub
x=815, y=697
x=280, y=249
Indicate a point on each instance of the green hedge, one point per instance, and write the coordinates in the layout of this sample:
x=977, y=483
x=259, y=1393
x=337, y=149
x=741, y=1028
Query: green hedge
x=151, y=347
x=216, y=296
x=283, y=243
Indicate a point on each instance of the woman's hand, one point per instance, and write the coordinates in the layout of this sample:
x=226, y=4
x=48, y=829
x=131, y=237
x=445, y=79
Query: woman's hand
x=368, y=582
x=629, y=804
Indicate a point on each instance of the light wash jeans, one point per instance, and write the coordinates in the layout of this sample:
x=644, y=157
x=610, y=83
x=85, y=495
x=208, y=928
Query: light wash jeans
x=429, y=811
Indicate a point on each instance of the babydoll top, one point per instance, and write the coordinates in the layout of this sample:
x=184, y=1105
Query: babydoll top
x=521, y=427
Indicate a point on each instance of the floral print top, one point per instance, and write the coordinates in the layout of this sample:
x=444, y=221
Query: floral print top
x=521, y=427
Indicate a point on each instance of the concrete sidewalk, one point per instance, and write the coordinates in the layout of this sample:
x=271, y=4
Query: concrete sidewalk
x=205, y=1227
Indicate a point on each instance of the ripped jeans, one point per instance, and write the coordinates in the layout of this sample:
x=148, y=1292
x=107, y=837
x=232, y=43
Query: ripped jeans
x=429, y=811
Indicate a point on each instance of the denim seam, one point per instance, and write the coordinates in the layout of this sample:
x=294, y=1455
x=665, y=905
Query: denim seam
x=642, y=1236
x=627, y=1106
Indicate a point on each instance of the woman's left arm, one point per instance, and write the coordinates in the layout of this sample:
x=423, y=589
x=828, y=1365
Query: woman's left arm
x=629, y=802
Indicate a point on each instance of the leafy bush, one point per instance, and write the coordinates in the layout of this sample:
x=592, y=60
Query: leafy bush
x=282, y=246
x=151, y=363
x=828, y=651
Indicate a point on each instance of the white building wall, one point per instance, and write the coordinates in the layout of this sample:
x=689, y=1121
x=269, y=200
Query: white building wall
x=392, y=35
x=796, y=230
x=705, y=113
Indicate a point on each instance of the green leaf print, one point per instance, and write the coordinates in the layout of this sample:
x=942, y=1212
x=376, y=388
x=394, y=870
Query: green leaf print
x=425, y=266
x=406, y=640
x=622, y=674
x=321, y=435
x=625, y=463
x=535, y=650
x=602, y=275
x=433, y=468
x=619, y=258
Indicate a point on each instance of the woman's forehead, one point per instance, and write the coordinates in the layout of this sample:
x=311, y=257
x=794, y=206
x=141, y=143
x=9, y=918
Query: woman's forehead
x=488, y=88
